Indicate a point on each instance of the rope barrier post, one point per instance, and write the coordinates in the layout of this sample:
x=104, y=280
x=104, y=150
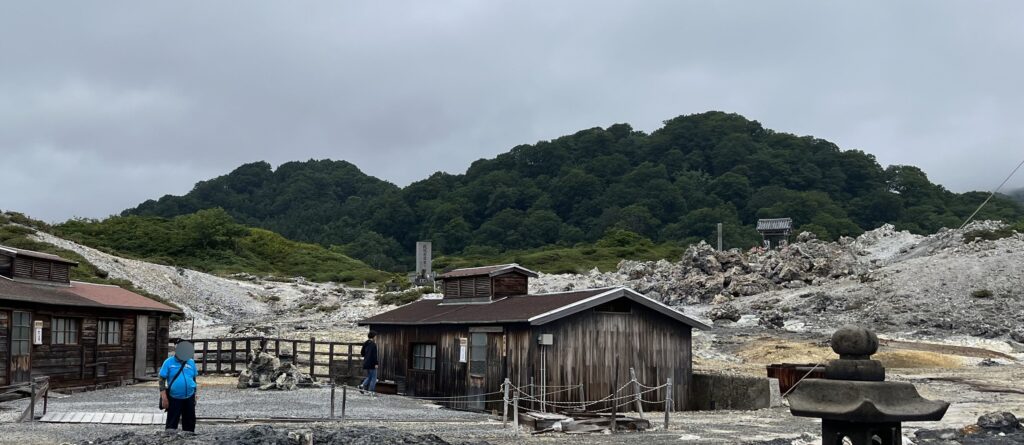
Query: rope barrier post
x=615, y=392
x=504, y=416
x=532, y=407
x=515, y=413
x=344, y=400
x=636, y=392
x=668, y=400
x=583, y=399
x=332, y=399
x=32, y=402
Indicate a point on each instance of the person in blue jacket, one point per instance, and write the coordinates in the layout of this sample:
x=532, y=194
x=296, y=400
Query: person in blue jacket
x=178, y=388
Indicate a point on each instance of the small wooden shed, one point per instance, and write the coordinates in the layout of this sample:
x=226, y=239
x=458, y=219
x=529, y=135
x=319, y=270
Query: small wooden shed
x=487, y=328
x=78, y=334
x=775, y=232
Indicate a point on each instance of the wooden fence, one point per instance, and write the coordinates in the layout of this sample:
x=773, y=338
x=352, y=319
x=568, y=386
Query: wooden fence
x=316, y=358
x=37, y=390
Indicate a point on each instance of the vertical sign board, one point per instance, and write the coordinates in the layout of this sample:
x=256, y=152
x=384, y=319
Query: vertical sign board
x=463, y=344
x=423, y=259
x=37, y=334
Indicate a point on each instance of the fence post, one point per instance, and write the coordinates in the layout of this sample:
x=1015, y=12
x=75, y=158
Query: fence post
x=615, y=392
x=32, y=402
x=668, y=400
x=332, y=400
x=219, y=349
x=583, y=399
x=532, y=407
x=234, y=347
x=350, y=373
x=636, y=393
x=206, y=347
x=344, y=400
x=515, y=413
x=330, y=362
x=312, y=356
x=504, y=415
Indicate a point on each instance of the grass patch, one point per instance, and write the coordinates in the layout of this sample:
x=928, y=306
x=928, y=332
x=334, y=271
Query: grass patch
x=577, y=259
x=992, y=235
x=403, y=297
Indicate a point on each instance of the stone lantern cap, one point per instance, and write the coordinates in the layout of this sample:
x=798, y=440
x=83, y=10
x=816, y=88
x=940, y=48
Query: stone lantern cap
x=854, y=388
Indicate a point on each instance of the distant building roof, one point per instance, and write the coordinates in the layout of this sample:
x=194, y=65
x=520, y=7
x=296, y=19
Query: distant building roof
x=16, y=252
x=774, y=224
x=534, y=309
x=492, y=271
x=79, y=294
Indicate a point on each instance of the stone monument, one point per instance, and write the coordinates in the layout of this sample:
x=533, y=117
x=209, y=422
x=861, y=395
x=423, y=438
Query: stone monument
x=855, y=402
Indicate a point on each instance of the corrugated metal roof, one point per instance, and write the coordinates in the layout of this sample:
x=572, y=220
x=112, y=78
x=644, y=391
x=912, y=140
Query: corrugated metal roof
x=79, y=294
x=488, y=270
x=535, y=309
x=775, y=224
x=16, y=252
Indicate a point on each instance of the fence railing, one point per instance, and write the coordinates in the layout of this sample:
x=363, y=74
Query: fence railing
x=37, y=390
x=320, y=359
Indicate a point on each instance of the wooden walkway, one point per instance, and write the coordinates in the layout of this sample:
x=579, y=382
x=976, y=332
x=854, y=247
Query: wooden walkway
x=108, y=418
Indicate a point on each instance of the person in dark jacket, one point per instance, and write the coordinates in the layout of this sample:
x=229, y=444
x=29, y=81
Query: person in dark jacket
x=370, y=364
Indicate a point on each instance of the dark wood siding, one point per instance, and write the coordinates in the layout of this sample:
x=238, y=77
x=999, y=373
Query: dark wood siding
x=41, y=270
x=586, y=346
x=509, y=284
x=75, y=365
x=5, y=342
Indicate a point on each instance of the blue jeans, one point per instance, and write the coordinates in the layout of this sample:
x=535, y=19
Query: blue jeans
x=370, y=382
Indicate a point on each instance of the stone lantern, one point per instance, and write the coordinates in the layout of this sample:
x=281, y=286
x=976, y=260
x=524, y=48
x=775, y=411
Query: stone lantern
x=855, y=402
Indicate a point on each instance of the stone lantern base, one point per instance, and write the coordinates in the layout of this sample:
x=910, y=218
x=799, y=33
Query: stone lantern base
x=888, y=433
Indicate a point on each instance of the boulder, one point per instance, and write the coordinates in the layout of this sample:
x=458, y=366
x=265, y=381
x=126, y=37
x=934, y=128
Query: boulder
x=724, y=312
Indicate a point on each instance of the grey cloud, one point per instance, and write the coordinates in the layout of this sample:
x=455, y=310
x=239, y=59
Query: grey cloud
x=112, y=103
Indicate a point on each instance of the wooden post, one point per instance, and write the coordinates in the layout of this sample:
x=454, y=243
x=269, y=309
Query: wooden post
x=234, y=347
x=668, y=400
x=312, y=356
x=330, y=362
x=515, y=413
x=504, y=416
x=332, y=400
x=219, y=349
x=615, y=392
x=344, y=400
x=248, y=350
x=583, y=399
x=206, y=347
x=636, y=393
x=32, y=402
x=277, y=347
x=531, y=394
x=350, y=373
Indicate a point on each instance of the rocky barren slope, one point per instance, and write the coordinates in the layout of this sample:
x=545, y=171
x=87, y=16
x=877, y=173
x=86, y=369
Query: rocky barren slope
x=895, y=282
x=241, y=304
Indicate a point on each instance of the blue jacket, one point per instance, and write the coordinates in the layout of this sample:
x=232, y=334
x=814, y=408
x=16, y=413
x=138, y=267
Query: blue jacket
x=185, y=386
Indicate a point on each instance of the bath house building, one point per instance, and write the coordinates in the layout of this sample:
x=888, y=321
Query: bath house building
x=488, y=327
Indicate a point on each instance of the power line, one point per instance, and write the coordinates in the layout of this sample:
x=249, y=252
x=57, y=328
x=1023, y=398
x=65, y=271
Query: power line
x=969, y=218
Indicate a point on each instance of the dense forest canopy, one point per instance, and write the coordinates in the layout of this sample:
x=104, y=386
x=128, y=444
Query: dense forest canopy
x=671, y=186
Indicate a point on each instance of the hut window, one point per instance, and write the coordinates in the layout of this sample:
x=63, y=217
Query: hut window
x=65, y=331
x=620, y=306
x=109, y=332
x=478, y=353
x=424, y=356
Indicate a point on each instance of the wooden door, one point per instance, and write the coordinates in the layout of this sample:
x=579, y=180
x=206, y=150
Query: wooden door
x=141, y=341
x=485, y=367
x=21, y=347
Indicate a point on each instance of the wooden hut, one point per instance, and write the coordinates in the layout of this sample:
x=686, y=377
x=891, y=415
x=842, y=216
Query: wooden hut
x=775, y=231
x=78, y=334
x=487, y=328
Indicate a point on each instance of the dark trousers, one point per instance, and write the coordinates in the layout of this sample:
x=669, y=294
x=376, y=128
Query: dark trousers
x=183, y=410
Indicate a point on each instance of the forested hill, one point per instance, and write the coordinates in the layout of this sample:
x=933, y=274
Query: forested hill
x=671, y=186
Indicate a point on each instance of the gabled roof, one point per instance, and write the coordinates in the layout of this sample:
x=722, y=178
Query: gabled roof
x=491, y=271
x=534, y=309
x=15, y=252
x=79, y=294
x=771, y=224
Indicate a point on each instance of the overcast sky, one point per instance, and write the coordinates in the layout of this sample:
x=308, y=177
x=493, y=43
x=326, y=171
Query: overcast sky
x=104, y=104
